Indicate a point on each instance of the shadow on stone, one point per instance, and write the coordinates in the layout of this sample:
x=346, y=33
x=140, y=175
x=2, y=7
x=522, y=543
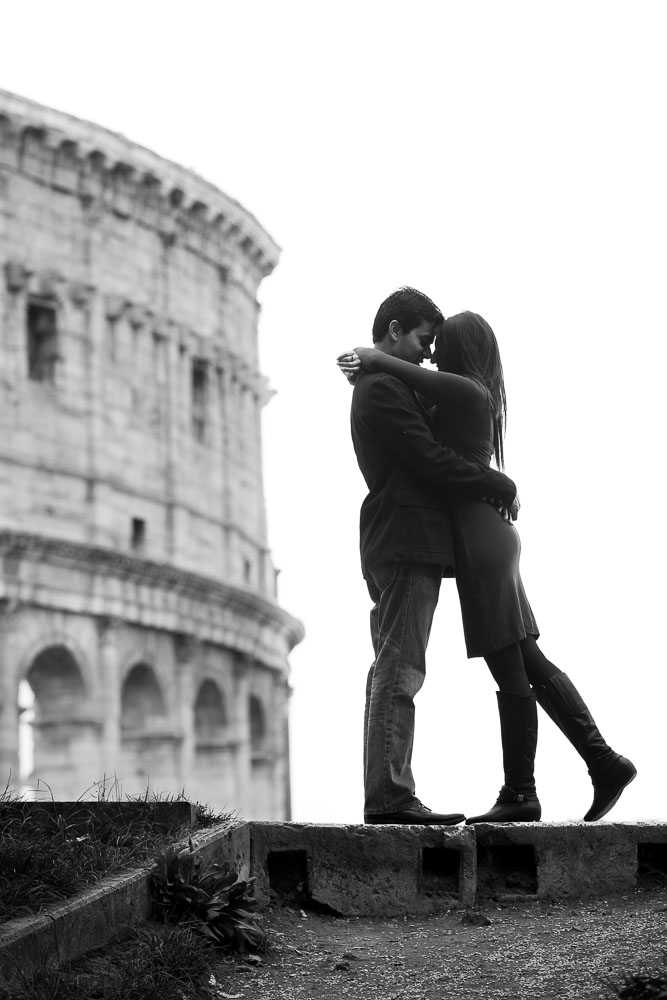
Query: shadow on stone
x=651, y=866
x=289, y=884
x=440, y=872
x=506, y=870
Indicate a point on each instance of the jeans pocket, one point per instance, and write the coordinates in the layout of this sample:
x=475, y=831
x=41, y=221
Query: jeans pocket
x=384, y=575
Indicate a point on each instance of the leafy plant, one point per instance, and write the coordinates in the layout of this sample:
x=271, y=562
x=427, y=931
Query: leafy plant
x=213, y=896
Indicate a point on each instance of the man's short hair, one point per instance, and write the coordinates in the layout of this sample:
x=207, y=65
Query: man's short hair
x=409, y=307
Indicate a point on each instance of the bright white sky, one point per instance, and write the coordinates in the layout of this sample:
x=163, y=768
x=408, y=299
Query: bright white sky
x=508, y=158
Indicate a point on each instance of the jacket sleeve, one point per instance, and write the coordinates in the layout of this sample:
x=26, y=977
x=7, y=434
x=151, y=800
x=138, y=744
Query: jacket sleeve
x=395, y=417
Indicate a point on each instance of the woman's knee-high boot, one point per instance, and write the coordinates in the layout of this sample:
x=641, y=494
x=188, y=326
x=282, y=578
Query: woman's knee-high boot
x=610, y=773
x=517, y=801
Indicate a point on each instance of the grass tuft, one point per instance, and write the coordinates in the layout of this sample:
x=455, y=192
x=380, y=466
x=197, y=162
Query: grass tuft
x=46, y=856
x=150, y=964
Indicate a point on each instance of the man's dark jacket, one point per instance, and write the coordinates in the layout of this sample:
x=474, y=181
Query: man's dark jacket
x=410, y=477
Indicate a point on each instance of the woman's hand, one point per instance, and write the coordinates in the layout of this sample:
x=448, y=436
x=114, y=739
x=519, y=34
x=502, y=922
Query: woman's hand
x=352, y=362
x=508, y=514
x=350, y=365
x=365, y=355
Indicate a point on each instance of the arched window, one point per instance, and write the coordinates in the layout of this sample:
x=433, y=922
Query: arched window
x=210, y=712
x=257, y=724
x=142, y=700
x=56, y=681
x=57, y=739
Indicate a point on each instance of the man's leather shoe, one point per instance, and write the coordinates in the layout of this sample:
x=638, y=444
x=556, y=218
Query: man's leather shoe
x=418, y=814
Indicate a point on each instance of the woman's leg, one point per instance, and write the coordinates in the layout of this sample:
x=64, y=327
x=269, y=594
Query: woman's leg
x=517, y=709
x=508, y=670
x=555, y=692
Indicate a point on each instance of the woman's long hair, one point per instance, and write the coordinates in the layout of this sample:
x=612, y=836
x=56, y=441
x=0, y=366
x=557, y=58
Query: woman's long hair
x=466, y=345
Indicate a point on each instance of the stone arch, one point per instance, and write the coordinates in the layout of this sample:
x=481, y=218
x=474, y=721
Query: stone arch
x=142, y=701
x=262, y=761
x=62, y=737
x=56, y=680
x=45, y=640
x=210, y=712
x=33, y=137
x=122, y=181
x=176, y=197
x=67, y=152
x=215, y=766
x=257, y=716
x=93, y=175
x=149, y=741
x=149, y=192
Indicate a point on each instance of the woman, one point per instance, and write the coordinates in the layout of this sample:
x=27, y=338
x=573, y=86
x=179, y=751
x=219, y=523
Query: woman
x=469, y=416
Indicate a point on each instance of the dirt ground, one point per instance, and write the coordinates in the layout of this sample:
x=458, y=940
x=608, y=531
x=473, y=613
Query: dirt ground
x=507, y=952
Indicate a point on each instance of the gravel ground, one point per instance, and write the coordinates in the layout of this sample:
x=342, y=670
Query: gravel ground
x=508, y=952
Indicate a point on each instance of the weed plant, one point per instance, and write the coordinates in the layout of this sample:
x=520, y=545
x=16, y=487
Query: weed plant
x=45, y=857
x=212, y=896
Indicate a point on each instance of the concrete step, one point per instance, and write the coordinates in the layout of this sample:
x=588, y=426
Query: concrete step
x=367, y=871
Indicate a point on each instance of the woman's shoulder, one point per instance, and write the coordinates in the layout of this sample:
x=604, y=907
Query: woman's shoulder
x=462, y=389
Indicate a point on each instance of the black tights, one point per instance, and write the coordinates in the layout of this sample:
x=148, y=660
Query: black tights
x=515, y=668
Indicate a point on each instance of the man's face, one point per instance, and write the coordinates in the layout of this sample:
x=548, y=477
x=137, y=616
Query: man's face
x=415, y=346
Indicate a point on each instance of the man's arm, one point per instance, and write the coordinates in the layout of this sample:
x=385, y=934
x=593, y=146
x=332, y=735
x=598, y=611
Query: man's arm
x=394, y=415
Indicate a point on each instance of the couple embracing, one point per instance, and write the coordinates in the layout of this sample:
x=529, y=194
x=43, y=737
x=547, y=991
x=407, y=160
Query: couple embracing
x=424, y=441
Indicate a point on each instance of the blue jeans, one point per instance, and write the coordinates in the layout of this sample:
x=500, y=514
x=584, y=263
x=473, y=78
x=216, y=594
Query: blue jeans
x=405, y=596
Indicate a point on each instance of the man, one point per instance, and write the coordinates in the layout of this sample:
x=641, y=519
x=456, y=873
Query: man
x=406, y=548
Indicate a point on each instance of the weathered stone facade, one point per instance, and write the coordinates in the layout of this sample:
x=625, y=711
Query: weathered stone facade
x=137, y=592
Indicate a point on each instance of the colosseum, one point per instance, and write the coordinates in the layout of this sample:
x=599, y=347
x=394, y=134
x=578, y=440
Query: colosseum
x=141, y=641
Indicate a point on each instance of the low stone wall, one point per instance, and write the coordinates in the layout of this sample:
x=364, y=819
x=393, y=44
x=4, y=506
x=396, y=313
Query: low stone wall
x=389, y=870
x=363, y=870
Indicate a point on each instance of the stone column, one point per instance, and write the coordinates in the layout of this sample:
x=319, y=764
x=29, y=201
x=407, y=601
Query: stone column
x=224, y=403
x=281, y=775
x=241, y=735
x=14, y=348
x=91, y=388
x=187, y=651
x=9, y=681
x=110, y=687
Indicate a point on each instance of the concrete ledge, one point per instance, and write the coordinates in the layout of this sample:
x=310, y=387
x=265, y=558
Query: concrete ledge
x=96, y=916
x=71, y=929
x=564, y=861
x=363, y=870
x=389, y=870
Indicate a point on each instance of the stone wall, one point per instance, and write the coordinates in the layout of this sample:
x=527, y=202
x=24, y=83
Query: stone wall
x=130, y=401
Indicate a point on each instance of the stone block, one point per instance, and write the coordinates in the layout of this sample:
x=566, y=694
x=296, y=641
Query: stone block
x=363, y=870
x=74, y=928
x=555, y=861
x=231, y=844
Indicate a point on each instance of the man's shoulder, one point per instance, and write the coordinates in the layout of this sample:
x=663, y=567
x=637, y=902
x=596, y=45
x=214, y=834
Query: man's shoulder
x=378, y=386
